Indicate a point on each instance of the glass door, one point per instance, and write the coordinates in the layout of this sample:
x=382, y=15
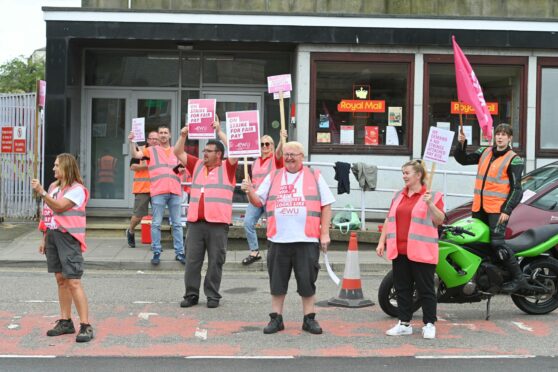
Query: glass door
x=235, y=102
x=106, y=157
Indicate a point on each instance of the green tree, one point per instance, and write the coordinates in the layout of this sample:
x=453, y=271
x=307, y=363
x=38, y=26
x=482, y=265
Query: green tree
x=21, y=74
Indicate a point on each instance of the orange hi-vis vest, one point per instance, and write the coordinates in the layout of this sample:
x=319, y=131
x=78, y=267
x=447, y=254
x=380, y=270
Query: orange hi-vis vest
x=493, y=194
x=312, y=202
x=71, y=221
x=422, y=241
x=259, y=172
x=106, y=168
x=217, y=191
x=141, y=183
x=162, y=177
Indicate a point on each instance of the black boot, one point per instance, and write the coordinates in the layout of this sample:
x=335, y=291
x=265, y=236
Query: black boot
x=309, y=324
x=275, y=324
x=518, y=280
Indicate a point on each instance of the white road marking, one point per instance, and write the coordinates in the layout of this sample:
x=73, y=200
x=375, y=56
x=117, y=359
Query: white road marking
x=474, y=356
x=146, y=316
x=28, y=356
x=522, y=326
x=13, y=326
x=143, y=302
x=201, y=333
x=39, y=301
x=239, y=357
x=470, y=326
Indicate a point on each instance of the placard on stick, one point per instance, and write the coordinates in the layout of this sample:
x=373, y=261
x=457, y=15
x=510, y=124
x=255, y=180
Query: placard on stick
x=138, y=128
x=438, y=147
x=200, y=118
x=243, y=132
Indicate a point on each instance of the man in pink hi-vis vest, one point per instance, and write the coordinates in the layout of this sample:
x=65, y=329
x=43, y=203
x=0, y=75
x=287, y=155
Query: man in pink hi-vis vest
x=209, y=215
x=298, y=206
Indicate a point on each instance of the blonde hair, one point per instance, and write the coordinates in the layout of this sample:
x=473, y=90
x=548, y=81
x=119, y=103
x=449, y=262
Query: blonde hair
x=294, y=144
x=418, y=167
x=68, y=170
x=269, y=139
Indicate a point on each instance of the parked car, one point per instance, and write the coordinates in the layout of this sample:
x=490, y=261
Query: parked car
x=538, y=207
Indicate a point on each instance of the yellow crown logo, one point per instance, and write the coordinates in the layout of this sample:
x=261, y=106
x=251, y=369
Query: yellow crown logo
x=361, y=93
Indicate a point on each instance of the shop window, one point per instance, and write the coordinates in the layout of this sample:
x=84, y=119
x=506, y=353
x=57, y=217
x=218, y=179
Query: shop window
x=192, y=147
x=503, y=85
x=361, y=103
x=191, y=64
x=132, y=69
x=244, y=68
x=547, y=106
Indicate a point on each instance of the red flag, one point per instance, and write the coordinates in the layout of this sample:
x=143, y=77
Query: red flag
x=469, y=89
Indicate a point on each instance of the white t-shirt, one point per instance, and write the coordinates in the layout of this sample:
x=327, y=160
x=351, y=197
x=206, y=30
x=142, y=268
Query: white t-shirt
x=290, y=213
x=76, y=195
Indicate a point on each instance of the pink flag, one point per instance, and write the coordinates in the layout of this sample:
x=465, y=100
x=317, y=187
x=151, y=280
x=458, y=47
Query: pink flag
x=469, y=90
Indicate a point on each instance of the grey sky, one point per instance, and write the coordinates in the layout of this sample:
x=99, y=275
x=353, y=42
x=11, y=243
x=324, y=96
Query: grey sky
x=23, y=28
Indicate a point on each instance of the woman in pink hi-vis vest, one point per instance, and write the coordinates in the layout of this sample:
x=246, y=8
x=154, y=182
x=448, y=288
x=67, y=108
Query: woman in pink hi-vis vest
x=410, y=239
x=63, y=226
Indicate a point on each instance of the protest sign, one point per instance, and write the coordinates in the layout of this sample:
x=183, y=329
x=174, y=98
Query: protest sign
x=438, y=145
x=279, y=83
x=138, y=128
x=200, y=118
x=243, y=132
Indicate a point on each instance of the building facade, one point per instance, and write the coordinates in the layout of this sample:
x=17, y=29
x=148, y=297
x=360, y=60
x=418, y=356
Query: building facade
x=369, y=77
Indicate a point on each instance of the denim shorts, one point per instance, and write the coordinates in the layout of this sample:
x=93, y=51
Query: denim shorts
x=63, y=254
x=283, y=258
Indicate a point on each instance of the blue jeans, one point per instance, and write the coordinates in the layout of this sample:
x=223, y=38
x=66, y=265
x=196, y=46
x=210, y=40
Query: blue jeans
x=251, y=217
x=158, y=203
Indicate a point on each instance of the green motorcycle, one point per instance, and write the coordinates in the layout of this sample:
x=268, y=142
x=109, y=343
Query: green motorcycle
x=468, y=271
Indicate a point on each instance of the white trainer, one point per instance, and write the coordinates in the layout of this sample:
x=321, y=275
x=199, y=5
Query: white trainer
x=429, y=331
x=400, y=330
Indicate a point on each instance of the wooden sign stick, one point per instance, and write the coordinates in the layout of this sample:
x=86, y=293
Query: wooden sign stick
x=282, y=112
x=430, y=177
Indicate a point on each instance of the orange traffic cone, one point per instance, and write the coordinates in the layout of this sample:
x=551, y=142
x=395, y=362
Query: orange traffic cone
x=350, y=294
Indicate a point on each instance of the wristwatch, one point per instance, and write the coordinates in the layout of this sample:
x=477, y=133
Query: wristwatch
x=43, y=194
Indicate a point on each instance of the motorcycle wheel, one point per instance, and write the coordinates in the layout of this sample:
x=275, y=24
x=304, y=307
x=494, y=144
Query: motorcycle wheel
x=387, y=298
x=546, y=272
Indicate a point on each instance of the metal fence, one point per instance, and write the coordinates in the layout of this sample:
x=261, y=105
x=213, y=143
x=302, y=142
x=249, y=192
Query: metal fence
x=16, y=170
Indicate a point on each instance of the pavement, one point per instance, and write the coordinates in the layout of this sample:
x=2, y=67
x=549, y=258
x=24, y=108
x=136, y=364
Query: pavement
x=19, y=242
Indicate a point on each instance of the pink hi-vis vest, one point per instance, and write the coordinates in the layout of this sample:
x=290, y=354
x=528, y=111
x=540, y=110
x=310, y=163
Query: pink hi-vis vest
x=71, y=221
x=163, y=179
x=217, y=191
x=422, y=242
x=312, y=202
x=259, y=172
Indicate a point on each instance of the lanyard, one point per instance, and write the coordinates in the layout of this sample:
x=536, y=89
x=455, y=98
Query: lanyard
x=290, y=187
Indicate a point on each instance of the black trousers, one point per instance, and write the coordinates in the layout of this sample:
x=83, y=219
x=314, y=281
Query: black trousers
x=407, y=273
x=497, y=231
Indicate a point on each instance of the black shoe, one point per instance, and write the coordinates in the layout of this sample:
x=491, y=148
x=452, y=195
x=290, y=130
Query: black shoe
x=131, y=239
x=62, y=327
x=189, y=301
x=275, y=324
x=251, y=259
x=309, y=324
x=518, y=280
x=181, y=258
x=85, y=333
x=212, y=303
x=156, y=260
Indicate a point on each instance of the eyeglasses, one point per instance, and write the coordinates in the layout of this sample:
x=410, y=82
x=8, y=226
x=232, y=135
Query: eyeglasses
x=267, y=144
x=153, y=139
x=291, y=155
x=208, y=151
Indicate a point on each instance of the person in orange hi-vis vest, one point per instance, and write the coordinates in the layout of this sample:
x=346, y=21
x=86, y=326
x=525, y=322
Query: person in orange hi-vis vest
x=63, y=224
x=497, y=192
x=270, y=160
x=209, y=215
x=106, y=171
x=298, y=207
x=141, y=189
x=165, y=190
x=410, y=239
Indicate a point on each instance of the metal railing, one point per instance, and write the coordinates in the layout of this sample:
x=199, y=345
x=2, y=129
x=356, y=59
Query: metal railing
x=363, y=209
x=16, y=170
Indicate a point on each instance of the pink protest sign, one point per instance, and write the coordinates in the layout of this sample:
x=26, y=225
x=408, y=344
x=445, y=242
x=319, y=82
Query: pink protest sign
x=243, y=132
x=438, y=145
x=200, y=118
x=42, y=93
x=279, y=83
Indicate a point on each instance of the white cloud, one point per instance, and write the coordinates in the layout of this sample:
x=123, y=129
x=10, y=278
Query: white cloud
x=23, y=28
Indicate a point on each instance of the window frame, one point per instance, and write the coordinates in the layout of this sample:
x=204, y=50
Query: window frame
x=482, y=60
x=359, y=149
x=542, y=62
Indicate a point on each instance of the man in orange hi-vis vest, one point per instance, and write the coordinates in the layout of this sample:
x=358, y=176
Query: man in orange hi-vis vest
x=298, y=207
x=209, y=215
x=497, y=192
x=106, y=169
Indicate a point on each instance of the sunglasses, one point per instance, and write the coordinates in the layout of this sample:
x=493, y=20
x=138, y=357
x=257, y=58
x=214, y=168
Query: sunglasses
x=267, y=144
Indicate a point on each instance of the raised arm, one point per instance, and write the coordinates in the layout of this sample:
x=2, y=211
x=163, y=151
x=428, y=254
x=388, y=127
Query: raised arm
x=279, y=149
x=179, y=152
x=135, y=152
x=223, y=137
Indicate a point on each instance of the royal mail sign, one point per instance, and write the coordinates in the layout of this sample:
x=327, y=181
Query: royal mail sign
x=356, y=105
